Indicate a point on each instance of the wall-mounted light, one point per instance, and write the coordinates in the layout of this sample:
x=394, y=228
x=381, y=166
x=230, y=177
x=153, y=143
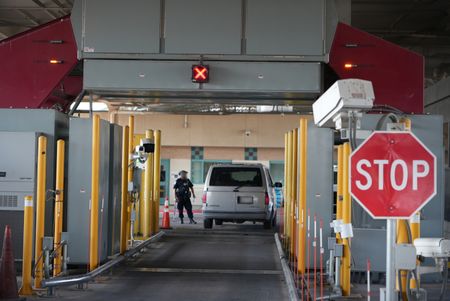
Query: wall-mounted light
x=55, y=61
x=350, y=65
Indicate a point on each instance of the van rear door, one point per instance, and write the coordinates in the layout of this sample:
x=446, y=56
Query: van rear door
x=236, y=189
x=250, y=194
x=220, y=195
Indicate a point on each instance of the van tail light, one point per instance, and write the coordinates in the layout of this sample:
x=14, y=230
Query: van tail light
x=204, y=198
x=266, y=201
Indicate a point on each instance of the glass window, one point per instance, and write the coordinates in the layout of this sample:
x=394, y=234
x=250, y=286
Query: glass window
x=207, y=165
x=277, y=171
x=197, y=171
x=232, y=176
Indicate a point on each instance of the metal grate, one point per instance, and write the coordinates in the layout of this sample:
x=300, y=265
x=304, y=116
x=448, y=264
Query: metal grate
x=9, y=201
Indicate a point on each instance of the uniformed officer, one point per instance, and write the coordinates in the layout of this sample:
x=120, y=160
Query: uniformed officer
x=183, y=188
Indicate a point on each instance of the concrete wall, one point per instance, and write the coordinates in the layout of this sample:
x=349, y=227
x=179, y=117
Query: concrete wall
x=215, y=131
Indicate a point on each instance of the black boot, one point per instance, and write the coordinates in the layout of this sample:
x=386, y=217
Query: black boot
x=191, y=221
x=181, y=220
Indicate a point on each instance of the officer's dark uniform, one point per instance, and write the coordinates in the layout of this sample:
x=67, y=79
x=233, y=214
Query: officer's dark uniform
x=183, y=191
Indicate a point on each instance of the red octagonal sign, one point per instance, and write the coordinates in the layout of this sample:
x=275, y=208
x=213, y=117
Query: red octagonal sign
x=392, y=175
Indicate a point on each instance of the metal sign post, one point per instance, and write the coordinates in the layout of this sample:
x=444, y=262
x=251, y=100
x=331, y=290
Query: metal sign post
x=391, y=227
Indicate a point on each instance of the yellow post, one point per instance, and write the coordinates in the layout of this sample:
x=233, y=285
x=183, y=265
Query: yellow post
x=303, y=144
x=288, y=194
x=148, y=204
x=339, y=196
x=93, y=237
x=130, y=172
x=285, y=203
x=59, y=206
x=124, y=204
x=414, y=223
x=347, y=219
x=40, y=209
x=142, y=203
x=156, y=179
x=402, y=238
x=26, y=289
x=294, y=193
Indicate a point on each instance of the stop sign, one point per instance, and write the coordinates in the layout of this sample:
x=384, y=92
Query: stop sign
x=392, y=175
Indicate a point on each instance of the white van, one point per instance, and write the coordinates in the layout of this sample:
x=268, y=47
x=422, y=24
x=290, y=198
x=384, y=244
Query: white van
x=239, y=193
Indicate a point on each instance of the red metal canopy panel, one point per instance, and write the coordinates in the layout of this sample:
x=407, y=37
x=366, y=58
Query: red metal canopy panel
x=396, y=73
x=28, y=79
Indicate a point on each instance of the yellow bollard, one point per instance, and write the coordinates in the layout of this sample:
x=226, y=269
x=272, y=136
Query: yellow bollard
x=294, y=193
x=26, y=289
x=303, y=144
x=124, y=203
x=285, y=190
x=289, y=196
x=130, y=171
x=339, y=196
x=93, y=236
x=142, y=203
x=414, y=223
x=59, y=206
x=402, y=238
x=148, y=204
x=347, y=219
x=156, y=178
x=151, y=216
x=40, y=209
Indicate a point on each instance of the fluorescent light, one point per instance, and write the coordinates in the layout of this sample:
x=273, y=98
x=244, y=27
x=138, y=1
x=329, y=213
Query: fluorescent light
x=96, y=106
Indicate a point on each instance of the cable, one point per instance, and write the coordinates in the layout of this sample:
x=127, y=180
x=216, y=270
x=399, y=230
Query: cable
x=383, y=118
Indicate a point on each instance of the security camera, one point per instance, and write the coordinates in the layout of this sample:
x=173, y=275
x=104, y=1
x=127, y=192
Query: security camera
x=147, y=146
x=343, y=97
x=142, y=151
x=247, y=133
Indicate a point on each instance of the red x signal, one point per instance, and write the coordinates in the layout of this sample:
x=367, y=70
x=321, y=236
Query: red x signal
x=200, y=73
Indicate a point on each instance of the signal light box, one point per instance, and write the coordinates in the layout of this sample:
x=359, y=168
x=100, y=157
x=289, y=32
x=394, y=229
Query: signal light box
x=200, y=74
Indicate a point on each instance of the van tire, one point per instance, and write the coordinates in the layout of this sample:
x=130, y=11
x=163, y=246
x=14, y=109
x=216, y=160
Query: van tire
x=207, y=223
x=218, y=222
x=267, y=224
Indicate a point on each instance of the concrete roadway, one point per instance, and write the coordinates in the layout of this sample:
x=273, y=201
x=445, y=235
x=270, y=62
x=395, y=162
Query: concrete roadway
x=230, y=262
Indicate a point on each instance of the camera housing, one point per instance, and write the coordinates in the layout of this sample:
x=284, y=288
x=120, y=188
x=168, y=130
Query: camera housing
x=147, y=146
x=343, y=97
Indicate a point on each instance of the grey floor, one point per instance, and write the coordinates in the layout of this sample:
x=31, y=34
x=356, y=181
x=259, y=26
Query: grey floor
x=230, y=262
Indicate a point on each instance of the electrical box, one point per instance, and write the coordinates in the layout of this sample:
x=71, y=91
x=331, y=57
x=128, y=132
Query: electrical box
x=405, y=257
x=19, y=130
x=17, y=180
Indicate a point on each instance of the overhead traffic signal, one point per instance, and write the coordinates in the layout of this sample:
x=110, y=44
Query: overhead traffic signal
x=200, y=74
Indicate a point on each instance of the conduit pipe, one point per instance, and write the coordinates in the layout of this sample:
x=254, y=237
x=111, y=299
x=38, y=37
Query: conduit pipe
x=84, y=278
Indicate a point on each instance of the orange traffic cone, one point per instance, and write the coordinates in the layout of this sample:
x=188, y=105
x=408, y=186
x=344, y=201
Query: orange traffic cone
x=8, y=280
x=166, y=216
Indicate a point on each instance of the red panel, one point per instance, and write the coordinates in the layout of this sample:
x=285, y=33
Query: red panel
x=396, y=73
x=27, y=78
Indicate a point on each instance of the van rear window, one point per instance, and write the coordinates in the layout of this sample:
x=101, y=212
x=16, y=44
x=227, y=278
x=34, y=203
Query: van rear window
x=233, y=176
